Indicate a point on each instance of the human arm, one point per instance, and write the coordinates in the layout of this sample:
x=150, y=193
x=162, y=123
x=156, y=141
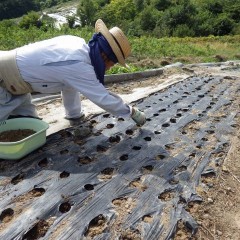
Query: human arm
x=83, y=79
x=87, y=84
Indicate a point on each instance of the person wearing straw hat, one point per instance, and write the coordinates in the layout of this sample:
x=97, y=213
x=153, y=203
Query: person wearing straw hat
x=68, y=65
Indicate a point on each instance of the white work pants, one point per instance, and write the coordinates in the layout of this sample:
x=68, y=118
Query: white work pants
x=15, y=105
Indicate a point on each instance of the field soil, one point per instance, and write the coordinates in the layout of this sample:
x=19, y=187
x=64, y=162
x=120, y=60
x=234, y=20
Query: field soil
x=15, y=135
x=218, y=215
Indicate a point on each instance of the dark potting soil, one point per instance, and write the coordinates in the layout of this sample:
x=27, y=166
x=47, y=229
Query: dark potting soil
x=15, y=135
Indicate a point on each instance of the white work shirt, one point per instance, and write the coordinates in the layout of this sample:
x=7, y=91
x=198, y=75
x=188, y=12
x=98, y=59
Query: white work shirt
x=63, y=64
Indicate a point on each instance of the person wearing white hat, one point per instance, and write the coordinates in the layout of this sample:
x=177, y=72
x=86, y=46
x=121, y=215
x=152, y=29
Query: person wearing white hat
x=68, y=65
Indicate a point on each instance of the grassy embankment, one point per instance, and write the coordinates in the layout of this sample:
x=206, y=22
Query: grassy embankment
x=159, y=52
x=147, y=52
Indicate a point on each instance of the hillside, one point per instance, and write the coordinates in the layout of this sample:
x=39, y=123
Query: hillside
x=168, y=18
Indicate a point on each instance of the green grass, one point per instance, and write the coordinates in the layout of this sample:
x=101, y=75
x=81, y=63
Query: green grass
x=193, y=49
x=147, y=52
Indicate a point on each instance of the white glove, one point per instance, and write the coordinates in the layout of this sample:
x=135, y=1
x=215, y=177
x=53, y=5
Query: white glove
x=138, y=116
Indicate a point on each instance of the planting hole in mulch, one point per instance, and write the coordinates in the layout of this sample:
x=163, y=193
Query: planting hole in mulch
x=38, y=231
x=15, y=135
x=156, y=182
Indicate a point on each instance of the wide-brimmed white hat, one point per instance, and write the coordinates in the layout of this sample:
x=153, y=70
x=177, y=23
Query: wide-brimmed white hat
x=116, y=39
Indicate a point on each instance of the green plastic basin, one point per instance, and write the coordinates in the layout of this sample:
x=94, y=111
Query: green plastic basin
x=19, y=149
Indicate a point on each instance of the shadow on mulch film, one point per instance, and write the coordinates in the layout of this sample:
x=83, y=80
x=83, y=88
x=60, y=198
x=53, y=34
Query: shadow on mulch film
x=119, y=180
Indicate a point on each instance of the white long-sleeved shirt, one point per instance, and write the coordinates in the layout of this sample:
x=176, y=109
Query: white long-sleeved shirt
x=63, y=64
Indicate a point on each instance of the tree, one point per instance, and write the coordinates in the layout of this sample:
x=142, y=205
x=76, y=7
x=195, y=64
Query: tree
x=222, y=25
x=203, y=24
x=139, y=4
x=214, y=6
x=233, y=8
x=118, y=12
x=183, y=30
x=161, y=5
x=16, y=8
x=148, y=18
x=86, y=12
x=31, y=19
x=180, y=14
x=102, y=3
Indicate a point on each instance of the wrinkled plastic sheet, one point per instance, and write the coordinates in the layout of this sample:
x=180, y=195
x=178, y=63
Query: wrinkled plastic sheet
x=119, y=180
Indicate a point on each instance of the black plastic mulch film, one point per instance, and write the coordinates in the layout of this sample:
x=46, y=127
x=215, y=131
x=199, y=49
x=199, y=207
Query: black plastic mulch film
x=121, y=181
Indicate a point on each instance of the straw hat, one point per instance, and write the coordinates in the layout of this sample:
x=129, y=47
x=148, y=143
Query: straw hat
x=116, y=39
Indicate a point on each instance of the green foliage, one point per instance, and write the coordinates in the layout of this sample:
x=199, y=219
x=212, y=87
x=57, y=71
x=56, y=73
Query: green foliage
x=223, y=25
x=148, y=19
x=16, y=8
x=139, y=4
x=179, y=14
x=7, y=24
x=102, y=3
x=203, y=24
x=31, y=19
x=117, y=12
x=117, y=69
x=184, y=49
x=156, y=18
x=14, y=36
x=215, y=7
x=161, y=5
x=166, y=17
x=48, y=3
x=233, y=9
x=183, y=30
x=71, y=20
x=86, y=12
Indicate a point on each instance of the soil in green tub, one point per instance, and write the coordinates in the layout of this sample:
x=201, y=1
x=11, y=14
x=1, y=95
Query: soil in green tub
x=15, y=135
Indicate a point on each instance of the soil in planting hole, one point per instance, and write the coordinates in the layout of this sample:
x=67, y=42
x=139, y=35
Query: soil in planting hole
x=38, y=231
x=15, y=135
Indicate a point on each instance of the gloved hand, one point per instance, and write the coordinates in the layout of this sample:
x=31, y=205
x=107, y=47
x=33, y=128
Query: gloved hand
x=138, y=116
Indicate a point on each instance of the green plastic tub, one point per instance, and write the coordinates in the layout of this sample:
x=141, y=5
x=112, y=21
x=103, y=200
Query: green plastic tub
x=19, y=149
